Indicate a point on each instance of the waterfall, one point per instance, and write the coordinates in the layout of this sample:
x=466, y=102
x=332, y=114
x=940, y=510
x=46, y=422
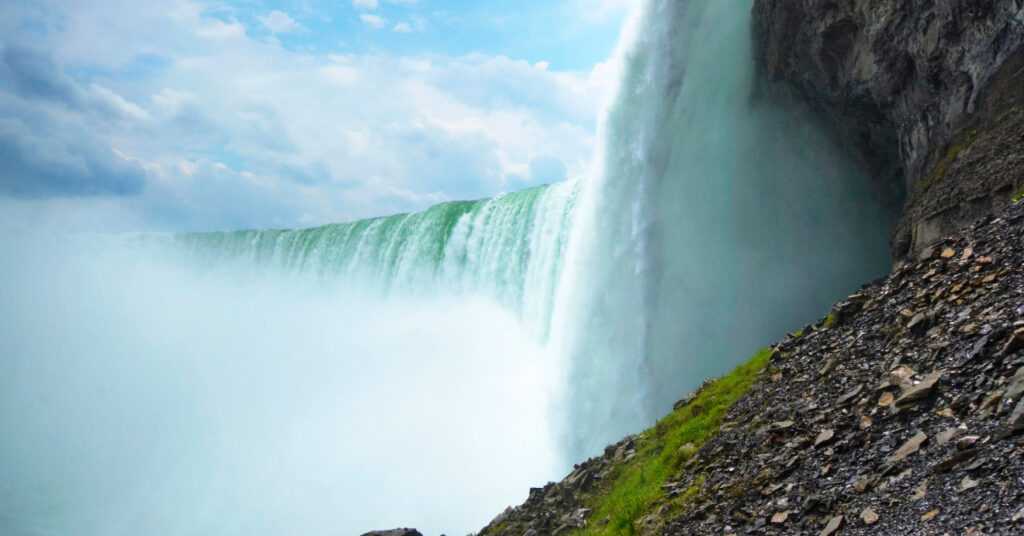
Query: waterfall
x=718, y=217
x=426, y=368
x=509, y=248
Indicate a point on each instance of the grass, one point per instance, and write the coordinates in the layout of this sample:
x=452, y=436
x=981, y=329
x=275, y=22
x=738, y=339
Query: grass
x=634, y=488
x=830, y=320
x=1018, y=196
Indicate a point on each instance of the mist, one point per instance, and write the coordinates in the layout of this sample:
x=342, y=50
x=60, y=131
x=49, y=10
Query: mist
x=427, y=369
x=139, y=395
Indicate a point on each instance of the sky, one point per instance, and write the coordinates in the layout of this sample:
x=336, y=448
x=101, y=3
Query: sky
x=194, y=115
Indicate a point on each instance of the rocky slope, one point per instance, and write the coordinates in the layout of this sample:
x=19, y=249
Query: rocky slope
x=901, y=412
x=936, y=86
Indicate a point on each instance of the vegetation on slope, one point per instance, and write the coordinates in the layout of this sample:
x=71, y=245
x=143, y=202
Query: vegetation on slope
x=635, y=486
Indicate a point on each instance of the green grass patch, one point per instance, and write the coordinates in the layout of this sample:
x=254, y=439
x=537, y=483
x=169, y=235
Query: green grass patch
x=830, y=320
x=633, y=490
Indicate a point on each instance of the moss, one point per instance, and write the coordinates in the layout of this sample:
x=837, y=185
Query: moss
x=634, y=488
x=830, y=320
x=1018, y=196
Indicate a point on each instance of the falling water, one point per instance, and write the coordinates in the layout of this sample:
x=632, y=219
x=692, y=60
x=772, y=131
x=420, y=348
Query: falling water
x=425, y=369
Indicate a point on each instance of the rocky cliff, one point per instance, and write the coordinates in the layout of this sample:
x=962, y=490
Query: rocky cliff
x=901, y=412
x=937, y=86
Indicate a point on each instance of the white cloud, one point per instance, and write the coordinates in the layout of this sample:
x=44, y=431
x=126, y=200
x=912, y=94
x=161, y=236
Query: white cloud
x=373, y=21
x=279, y=22
x=403, y=27
x=116, y=102
x=283, y=138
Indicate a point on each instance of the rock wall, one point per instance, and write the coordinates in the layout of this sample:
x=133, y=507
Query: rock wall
x=942, y=80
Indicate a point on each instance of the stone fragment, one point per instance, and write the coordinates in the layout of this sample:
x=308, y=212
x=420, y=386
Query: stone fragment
x=900, y=375
x=833, y=525
x=868, y=516
x=1015, y=343
x=967, y=484
x=954, y=460
x=1019, y=516
x=991, y=400
x=966, y=442
x=919, y=391
x=948, y=253
x=950, y=434
x=1015, y=388
x=930, y=515
x=862, y=484
x=824, y=437
x=920, y=491
x=849, y=397
x=780, y=517
x=911, y=446
x=947, y=413
x=865, y=422
x=782, y=425
x=886, y=399
x=1014, y=423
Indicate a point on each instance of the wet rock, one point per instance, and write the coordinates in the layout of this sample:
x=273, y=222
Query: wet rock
x=967, y=483
x=833, y=526
x=1015, y=387
x=920, y=390
x=1015, y=344
x=950, y=434
x=824, y=437
x=685, y=401
x=911, y=446
x=1014, y=423
x=966, y=442
x=782, y=425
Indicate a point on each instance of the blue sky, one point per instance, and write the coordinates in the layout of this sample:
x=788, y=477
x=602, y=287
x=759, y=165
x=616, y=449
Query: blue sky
x=183, y=115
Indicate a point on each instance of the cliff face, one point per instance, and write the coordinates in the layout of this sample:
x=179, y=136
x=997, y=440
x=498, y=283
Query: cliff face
x=943, y=79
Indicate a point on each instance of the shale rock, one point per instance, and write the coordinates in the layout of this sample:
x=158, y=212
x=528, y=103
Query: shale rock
x=931, y=91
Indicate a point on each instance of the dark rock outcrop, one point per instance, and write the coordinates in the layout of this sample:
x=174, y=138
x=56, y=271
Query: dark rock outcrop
x=394, y=532
x=938, y=85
